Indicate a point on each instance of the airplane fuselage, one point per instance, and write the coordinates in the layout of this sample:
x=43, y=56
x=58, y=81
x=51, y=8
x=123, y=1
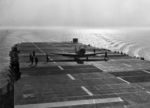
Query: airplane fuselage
x=81, y=52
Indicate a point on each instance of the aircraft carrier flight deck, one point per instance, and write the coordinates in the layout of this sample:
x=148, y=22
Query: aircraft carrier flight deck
x=67, y=82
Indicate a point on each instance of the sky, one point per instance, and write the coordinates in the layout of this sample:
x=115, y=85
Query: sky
x=76, y=13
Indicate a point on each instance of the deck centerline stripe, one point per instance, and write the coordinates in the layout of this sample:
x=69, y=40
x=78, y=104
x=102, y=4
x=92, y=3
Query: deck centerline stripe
x=61, y=68
x=87, y=91
x=146, y=71
x=123, y=80
x=126, y=65
x=148, y=92
x=71, y=103
x=38, y=48
x=141, y=87
x=70, y=76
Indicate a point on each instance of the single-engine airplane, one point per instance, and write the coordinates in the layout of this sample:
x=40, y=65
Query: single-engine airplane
x=78, y=54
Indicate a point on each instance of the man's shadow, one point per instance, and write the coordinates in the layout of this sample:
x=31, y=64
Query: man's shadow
x=45, y=62
x=32, y=65
x=79, y=61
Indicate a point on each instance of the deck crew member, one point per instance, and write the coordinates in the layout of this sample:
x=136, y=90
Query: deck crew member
x=47, y=59
x=33, y=53
x=36, y=60
x=94, y=50
x=106, y=57
x=9, y=87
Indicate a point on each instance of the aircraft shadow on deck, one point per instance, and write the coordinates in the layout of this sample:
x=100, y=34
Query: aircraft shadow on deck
x=79, y=61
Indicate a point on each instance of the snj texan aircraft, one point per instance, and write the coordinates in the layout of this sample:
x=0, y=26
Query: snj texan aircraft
x=78, y=54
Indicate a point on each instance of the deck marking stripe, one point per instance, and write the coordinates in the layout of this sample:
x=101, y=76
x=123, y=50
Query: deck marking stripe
x=38, y=48
x=60, y=68
x=123, y=80
x=70, y=76
x=127, y=65
x=112, y=60
x=98, y=67
x=146, y=71
x=70, y=103
x=141, y=87
x=120, y=99
x=148, y=92
x=125, y=106
x=93, y=101
x=87, y=91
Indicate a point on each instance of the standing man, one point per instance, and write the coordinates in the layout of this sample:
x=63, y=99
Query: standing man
x=106, y=57
x=94, y=50
x=33, y=53
x=36, y=60
x=32, y=59
x=47, y=59
x=9, y=87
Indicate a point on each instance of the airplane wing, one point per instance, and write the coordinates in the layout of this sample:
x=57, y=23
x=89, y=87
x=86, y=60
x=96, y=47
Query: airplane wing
x=92, y=54
x=66, y=54
x=75, y=55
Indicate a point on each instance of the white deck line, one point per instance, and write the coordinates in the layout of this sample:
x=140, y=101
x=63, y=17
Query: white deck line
x=148, y=92
x=98, y=67
x=38, y=48
x=123, y=80
x=60, y=68
x=71, y=103
x=146, y=71
x=70, y=76
x=141, y=87
x=87, y=91
x=127, y=65
x=125, y=106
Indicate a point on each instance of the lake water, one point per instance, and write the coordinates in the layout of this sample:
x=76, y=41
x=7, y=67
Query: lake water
x=133, y=41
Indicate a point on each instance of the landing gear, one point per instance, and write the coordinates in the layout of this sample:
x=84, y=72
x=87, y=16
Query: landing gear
x=87, y=58
x=75, y=58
